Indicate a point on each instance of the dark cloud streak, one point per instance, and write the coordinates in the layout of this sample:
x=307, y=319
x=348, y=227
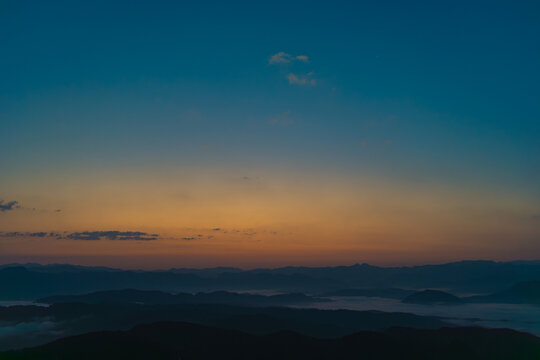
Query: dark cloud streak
x=87, y=235
x=8, y=206
x=112, y=235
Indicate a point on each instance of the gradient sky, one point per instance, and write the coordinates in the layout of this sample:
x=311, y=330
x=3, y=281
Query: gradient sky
x=269, y=133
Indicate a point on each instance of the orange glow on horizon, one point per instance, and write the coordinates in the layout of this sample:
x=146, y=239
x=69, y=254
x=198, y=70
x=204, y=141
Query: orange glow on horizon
x=283, y=218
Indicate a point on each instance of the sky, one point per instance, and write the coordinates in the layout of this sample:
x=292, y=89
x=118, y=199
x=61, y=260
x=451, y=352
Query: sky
x=153, y=134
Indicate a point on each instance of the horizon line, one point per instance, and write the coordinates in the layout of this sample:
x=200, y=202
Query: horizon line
x=17, y=264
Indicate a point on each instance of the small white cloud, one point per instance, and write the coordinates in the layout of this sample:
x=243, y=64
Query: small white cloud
x=294, y=78
x=284, y=58
x=280, y=58
x=301, y=80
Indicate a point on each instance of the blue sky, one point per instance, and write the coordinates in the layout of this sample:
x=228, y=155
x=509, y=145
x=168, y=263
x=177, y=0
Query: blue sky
x=441, y=93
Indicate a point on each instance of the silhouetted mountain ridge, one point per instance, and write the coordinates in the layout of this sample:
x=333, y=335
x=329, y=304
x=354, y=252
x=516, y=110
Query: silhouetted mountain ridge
x=390, y=293
x=189, y=341
x=76, y=318
x=521, y=293
x=31, y=281
x=432, y=297
x=160, y=297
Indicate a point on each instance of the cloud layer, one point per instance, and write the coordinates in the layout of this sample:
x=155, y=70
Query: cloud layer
x=112, y=235
x=87, y=235
x=116, y=235
x=8, y=206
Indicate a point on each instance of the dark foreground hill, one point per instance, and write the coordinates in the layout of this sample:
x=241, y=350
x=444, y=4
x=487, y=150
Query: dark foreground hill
x=195, y=342
x=25, y=326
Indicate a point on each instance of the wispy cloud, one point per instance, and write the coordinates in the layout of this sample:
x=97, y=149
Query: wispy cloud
x=40, y=234
x=116, y=235
x=85, y=235
x=284, y=58
x=301, y=80
x=8, y=206
x=29, y=329
x=12, y=205
x=294, y=78
x=112, y=235
x=193, y=237
x=283, y=119
x=280, y=58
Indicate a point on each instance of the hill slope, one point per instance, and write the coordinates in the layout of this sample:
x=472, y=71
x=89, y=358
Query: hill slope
x=429, y=297
x=521, y=293
x=188, y=341
x=76, y=318
x=148, y=297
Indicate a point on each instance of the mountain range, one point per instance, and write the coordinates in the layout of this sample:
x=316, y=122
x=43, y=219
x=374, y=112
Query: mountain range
x=31, y=281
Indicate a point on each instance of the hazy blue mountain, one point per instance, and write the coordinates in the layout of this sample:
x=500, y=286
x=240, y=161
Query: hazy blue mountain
x=58, y=268
x=429, y=297
x=390, y=293
x=521, y=293
x=160, y=297
x=33, y=281
x=29, y=283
